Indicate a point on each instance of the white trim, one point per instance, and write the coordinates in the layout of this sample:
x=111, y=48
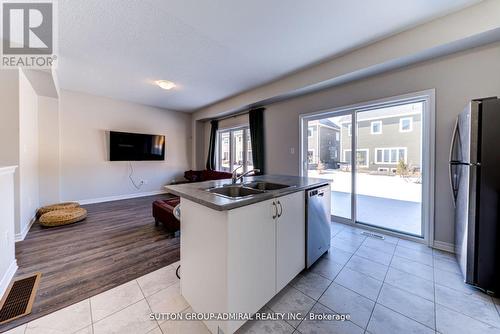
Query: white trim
x=120, y=197
x=24, y=232
x=7, y=170
x=390, y=148
x=401, y=124
x=359, y=149
x=7, y=277
x=371, y=127
x=428, y=130
x=444, y=246
x=349, y=130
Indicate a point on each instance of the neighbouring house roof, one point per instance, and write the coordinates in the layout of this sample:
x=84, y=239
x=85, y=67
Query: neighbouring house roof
x=324, y=122
x=327, y=122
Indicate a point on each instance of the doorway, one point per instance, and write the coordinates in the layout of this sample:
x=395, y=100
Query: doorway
x=385, y=181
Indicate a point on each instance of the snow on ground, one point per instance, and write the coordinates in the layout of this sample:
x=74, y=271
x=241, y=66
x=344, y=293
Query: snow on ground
x=384, y=186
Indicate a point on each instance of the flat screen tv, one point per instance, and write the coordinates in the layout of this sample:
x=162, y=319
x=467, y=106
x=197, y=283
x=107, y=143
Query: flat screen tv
x=126, y=146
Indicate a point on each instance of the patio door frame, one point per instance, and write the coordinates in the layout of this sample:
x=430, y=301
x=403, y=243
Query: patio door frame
x=427, y=151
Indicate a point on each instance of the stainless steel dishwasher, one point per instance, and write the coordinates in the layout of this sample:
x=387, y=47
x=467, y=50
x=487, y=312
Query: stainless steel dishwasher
x=317, y=224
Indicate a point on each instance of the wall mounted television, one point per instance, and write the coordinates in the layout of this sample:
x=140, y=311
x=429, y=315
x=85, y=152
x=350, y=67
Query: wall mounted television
x=125, y=146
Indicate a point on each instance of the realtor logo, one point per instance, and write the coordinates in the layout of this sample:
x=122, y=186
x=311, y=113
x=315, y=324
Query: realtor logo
x=28, y=34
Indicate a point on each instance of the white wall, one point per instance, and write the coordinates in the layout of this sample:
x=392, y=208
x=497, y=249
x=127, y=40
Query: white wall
x=8, y=264
x=48, y=145
x=86, y=172
x=28, y=154
x=9, y=117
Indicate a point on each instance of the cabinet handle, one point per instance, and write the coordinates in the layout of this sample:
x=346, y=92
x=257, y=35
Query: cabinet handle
x=275, y=212
x=281, y=209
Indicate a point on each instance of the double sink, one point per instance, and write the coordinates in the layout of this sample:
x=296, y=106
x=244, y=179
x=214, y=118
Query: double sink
x=238, y=191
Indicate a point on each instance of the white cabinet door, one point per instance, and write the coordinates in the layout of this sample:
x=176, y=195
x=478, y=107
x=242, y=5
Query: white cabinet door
x=251, y=257
x=290, y=238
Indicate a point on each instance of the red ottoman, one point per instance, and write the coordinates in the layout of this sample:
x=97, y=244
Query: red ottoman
x=163, y=211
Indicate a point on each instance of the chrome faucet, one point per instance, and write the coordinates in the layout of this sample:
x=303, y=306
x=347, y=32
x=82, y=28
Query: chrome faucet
x=235, y=177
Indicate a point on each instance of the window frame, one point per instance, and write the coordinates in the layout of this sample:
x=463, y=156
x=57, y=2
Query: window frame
x=232, y=153
x=427, y=131
x=401, y=120
x=313, y=160
x=377, y=162
x=371, y=127
x=367, y=150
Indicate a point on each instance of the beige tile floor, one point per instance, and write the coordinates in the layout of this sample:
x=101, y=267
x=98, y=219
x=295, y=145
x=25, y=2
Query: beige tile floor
x=387, y=286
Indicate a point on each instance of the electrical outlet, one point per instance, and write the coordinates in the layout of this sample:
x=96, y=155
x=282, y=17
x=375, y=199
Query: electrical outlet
x=292, y=150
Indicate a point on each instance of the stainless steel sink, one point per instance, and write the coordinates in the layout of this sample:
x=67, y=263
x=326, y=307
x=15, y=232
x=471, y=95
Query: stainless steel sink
x=235, y=191
x=266, y=186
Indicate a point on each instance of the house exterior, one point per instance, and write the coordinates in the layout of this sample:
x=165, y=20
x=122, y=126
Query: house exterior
x=385, y=137
x=323, y=144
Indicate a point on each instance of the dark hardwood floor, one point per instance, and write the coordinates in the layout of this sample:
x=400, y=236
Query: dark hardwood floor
x=118, y=242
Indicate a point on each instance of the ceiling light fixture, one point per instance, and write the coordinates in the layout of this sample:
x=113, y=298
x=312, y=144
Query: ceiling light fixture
x=165, y=84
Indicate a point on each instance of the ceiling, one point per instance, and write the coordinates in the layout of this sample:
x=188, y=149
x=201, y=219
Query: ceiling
x=216, y=49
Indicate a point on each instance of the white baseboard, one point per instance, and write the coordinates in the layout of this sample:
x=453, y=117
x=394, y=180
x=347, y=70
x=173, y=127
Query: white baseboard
x=120, y=197
x=22, y=235
x=7, y=277
x=444, y=246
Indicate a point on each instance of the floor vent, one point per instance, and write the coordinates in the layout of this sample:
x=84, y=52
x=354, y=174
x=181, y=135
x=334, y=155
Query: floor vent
x=19, y=298
x=373, y=235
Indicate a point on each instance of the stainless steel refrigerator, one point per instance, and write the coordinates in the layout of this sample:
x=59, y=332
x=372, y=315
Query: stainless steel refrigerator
x=475, y=182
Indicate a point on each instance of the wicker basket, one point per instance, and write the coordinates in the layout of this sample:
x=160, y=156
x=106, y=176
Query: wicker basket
x=63, y=217
x=54, y=207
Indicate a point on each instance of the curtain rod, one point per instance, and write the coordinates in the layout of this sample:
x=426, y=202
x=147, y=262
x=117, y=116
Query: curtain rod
x=236, y=114
x=232, y=115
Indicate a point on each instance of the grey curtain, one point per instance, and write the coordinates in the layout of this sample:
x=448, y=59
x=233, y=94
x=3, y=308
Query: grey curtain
x=211, y=165
x=256, y=120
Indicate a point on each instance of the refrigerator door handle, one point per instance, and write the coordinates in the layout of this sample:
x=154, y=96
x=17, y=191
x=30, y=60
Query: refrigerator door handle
x=452, y=185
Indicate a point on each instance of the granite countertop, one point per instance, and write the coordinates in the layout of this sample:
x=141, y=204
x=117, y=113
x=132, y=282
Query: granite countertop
x=196, y=192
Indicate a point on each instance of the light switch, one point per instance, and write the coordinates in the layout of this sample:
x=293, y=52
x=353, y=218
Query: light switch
x=292, y=150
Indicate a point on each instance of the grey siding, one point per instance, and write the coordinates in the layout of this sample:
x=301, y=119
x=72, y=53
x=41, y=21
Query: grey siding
x=390, y=137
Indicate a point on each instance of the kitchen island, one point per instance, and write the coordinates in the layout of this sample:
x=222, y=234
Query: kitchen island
x=240, y=245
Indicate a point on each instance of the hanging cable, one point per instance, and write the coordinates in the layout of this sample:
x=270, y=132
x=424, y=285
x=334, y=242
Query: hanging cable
x=138, y=187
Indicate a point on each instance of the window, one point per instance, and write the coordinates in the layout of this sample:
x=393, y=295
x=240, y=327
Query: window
x=310, y=156
x=391, y=155
x=337, y=136
x=406, y=124
x=349, y=130
x=310, y=132
x=362, y=159
x=232, y=145
x=376, y=128
x=249, y=151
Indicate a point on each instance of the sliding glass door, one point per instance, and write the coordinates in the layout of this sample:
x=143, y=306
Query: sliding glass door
x=328, y=156
x=389, y=181
x=380, y=182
